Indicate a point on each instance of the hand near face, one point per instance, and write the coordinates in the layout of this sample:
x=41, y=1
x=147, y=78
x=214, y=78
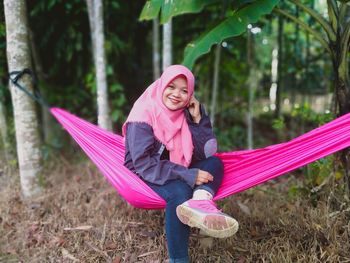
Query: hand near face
x=194, y=109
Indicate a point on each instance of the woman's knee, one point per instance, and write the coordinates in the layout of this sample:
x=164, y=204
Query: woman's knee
x=180, y=192
x=216, y=162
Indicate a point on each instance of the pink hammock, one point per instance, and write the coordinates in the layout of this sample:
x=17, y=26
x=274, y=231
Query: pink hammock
x=243, y=169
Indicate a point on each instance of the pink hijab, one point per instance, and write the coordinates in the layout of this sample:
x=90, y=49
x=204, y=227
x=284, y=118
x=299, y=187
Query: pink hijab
x=169, y=127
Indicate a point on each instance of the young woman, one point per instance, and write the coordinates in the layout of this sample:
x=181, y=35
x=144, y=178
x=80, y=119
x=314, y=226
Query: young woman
x=170, y=144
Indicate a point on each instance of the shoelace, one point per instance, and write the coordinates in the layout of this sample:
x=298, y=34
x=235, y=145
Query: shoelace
x=207, y=205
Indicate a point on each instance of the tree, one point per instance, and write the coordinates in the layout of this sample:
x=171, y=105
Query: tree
x=156, y=55
x=250, y=83
x=335, y=39
x=279, y=67
x=47, y=119
x=95, y=10
x=215, y=84
x=167, y=44
x=26, y=123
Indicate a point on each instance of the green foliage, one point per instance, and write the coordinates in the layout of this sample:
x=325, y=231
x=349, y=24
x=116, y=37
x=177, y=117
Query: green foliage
x=2, y=35
x=64, y=49
x=234, y=25
x=278, y=124
x=150, y=10
x=231, y=138
x=334, y=37
x=294, y=191
x=90, y=82
x=315, y=178
x=243, y=13
x=242, y=3
x=173, y=8
x=4, y=93
x=318, y=171
x=305, y=113
x=178, y=7
x=118, y=103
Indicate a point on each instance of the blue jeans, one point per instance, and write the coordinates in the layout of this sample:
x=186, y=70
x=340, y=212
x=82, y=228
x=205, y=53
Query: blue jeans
x=175, y=192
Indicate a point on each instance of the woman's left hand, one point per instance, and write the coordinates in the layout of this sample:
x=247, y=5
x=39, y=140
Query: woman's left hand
x=194, y=109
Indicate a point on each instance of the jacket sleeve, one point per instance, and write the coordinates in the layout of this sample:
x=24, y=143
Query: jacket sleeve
x=140, y=142
x=203, y=138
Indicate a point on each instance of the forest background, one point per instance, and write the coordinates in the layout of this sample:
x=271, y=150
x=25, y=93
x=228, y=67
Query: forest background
x=267, y=81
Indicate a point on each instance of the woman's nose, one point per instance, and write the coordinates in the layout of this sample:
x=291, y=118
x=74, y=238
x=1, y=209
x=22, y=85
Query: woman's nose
x=176, y=92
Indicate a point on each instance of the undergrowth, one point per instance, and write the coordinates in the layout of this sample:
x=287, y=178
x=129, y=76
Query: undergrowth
x=80, y=218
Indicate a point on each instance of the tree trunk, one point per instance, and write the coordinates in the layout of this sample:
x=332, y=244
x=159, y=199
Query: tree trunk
x=340, y=59
x=167, y=44
x=279, y=67
x=251, y=88
x=95, y=10
x=296, y=50
x=216, y=72
x=215, y=84
x=307, y=63
x=47, y=119
x=342, y=84
x=273, y=88
x=343, y=99
x=26, y=123
x=156, y=55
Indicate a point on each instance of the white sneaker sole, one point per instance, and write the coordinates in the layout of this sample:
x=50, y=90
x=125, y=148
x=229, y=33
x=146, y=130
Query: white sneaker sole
x=196, y=218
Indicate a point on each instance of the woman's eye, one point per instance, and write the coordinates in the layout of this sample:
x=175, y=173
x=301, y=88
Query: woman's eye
x=171, y=87
x=184, y=91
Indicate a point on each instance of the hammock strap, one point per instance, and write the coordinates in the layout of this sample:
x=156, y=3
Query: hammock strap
x=14, y=76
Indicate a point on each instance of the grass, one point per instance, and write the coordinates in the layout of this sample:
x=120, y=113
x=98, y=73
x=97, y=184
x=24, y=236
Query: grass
x=80, y=218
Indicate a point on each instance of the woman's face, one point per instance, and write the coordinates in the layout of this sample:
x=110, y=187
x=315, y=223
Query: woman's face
x=175, y=95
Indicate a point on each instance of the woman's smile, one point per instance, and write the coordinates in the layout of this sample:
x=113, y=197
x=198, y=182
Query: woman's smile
x=175, y=101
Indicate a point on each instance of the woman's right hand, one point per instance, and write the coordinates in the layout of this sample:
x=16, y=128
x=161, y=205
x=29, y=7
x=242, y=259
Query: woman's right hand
x=203, y=177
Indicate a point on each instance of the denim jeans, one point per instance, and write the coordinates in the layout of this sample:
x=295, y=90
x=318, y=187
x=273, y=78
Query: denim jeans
x=175, y=192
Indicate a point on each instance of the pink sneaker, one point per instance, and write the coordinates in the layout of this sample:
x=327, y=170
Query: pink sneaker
x=204, y=215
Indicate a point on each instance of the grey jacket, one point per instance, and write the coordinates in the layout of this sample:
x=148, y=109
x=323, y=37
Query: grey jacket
x=148, y=157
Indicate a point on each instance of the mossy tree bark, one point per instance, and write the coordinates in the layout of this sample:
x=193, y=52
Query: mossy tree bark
x=26, y=122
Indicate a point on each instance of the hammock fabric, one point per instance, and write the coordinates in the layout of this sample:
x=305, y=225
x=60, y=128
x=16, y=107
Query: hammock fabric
x=243, y=169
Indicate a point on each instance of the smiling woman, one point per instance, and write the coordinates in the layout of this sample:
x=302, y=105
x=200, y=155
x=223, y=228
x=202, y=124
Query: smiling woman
x=169, y=143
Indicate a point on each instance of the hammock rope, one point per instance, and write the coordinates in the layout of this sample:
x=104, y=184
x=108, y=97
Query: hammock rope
x=36, y=95
x=242, y=169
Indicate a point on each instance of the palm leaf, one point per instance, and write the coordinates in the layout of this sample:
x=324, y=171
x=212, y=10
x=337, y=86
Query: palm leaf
x=172, y=8
x=233, y=26
x=150, y=10
x=179, y=7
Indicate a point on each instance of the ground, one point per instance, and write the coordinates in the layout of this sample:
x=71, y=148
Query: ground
x=81, y=218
